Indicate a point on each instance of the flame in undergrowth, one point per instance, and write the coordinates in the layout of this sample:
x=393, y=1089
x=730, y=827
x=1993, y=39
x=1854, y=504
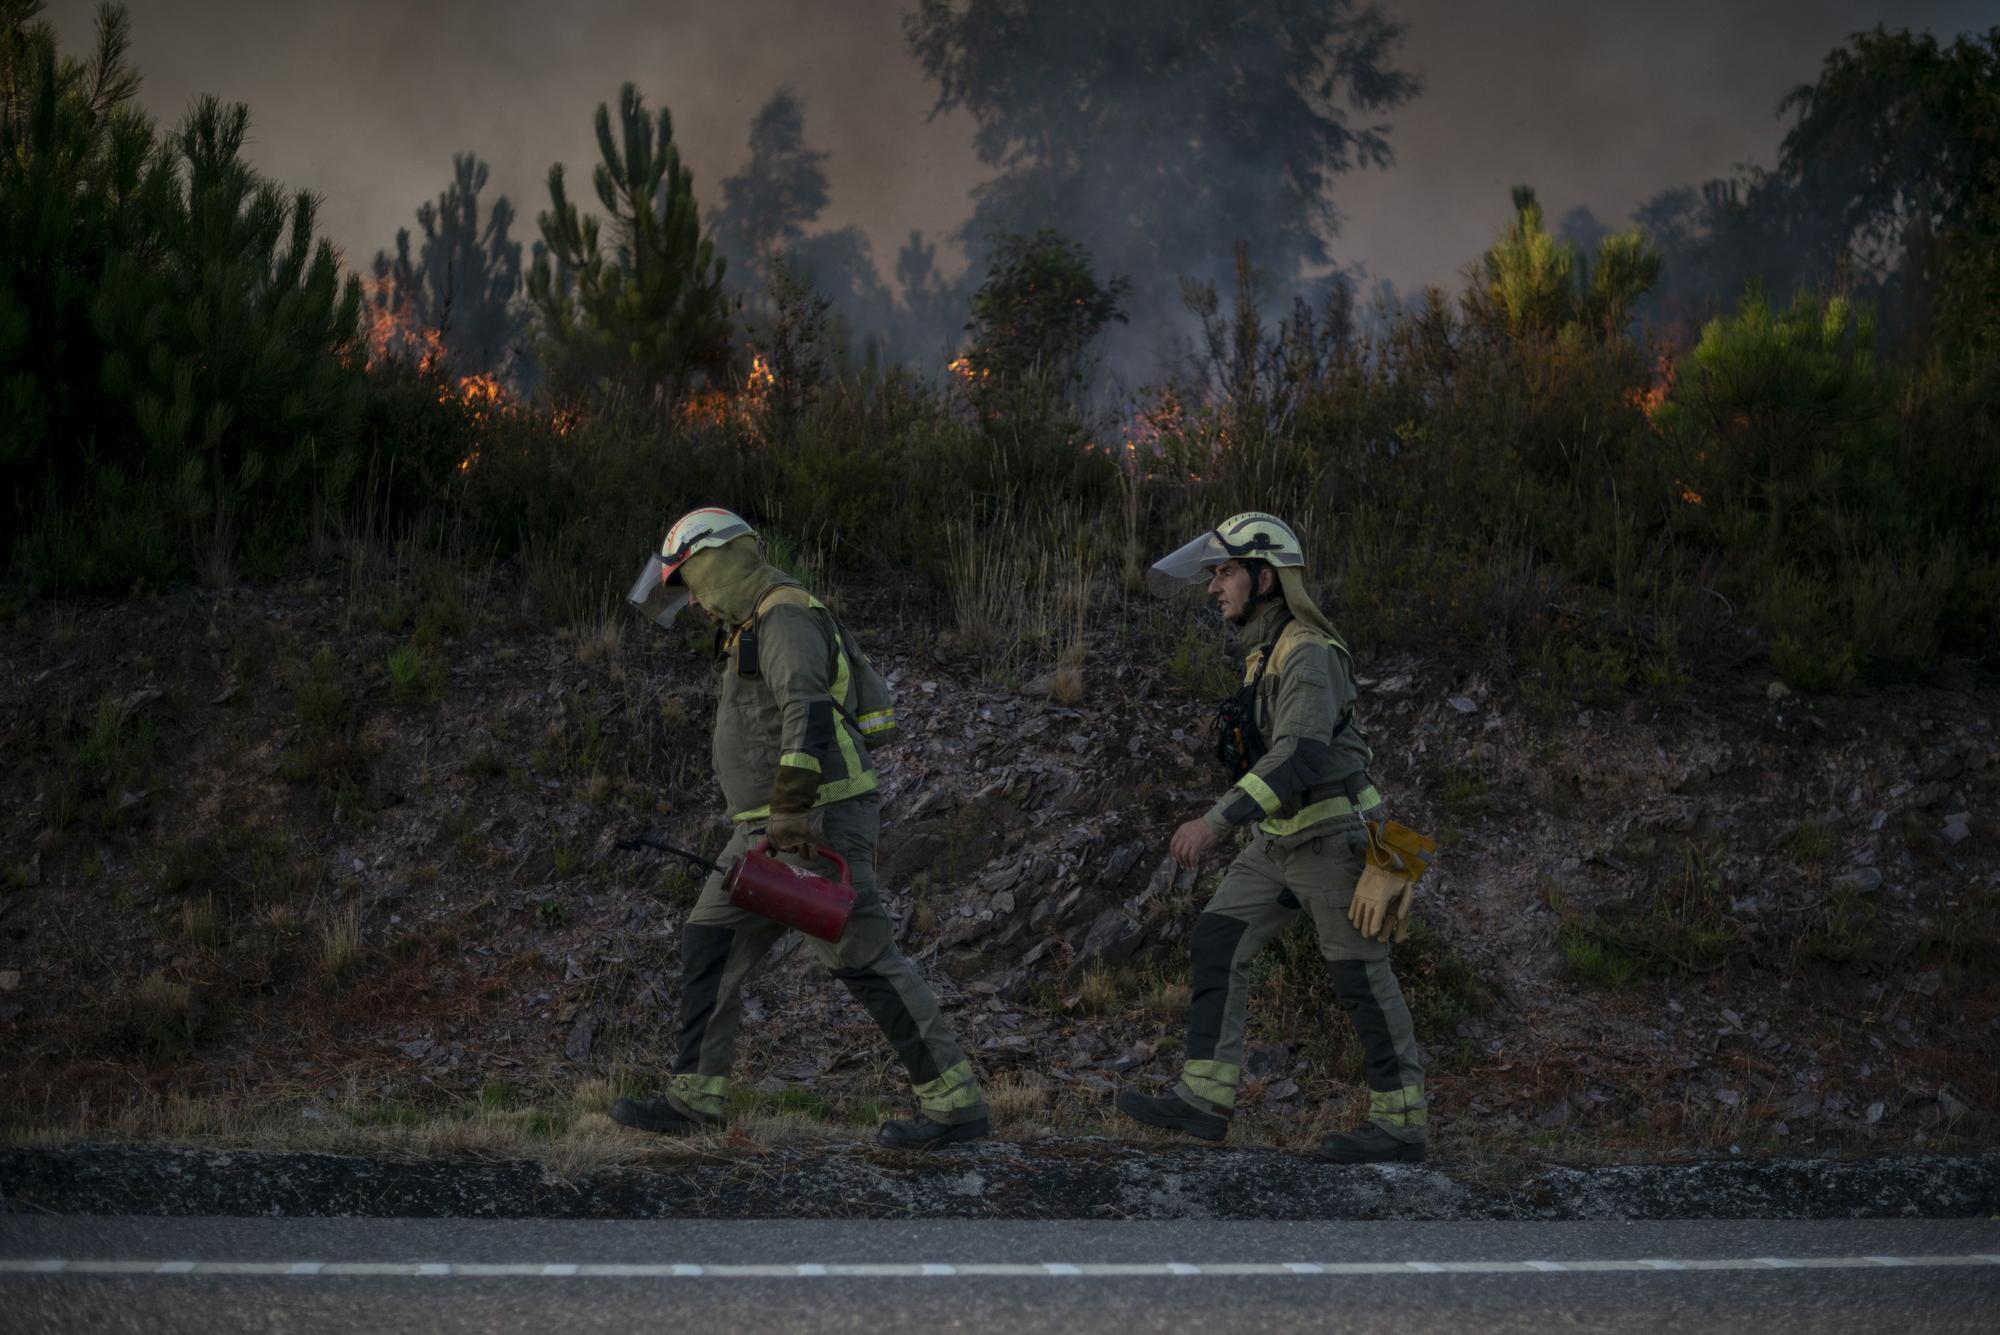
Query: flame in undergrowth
x=1653, y=397
x=1650, y=399
x=393, y=336
x=723, y=407
x=969, y=376
x=1163, y=441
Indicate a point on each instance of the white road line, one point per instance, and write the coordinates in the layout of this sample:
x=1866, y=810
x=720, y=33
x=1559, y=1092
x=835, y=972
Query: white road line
x=52, y=1266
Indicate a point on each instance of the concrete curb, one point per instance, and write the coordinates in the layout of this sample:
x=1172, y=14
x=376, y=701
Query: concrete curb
x=1049, y=1180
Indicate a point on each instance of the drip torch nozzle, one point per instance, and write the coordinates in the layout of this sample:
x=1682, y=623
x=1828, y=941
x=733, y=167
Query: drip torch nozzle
x=694, y=861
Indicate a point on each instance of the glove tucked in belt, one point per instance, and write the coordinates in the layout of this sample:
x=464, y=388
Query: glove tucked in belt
x=1397, y=858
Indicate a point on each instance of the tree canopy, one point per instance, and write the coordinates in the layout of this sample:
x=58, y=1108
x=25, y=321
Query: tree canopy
x=1159, y=134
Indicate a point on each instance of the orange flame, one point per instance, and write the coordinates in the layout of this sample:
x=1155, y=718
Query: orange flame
x=1652, y=398
x=394, y=336
x=1142, y=448
x=722, y=407
x=968, y=374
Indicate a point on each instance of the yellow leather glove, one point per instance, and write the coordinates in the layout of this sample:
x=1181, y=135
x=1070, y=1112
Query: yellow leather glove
x=1377, y=896
x=1397, y=857
x=790, y=832
x=1396, y=923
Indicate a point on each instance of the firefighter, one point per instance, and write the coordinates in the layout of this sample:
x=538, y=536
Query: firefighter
x=1290, y=737
x=790, y=749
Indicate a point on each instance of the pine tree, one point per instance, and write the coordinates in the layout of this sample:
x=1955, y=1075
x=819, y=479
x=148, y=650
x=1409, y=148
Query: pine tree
x=646, y=312
x=465, y=281
x=235, y=341
x=80, y=176
x=1535, y=282
x=781, y=190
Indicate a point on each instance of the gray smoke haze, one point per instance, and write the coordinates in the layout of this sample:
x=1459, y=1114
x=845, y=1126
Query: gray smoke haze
x=364, y=102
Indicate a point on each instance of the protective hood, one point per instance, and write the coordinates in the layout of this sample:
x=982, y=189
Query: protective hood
x=659, y=591
x=728, y=580
x=1292, y=583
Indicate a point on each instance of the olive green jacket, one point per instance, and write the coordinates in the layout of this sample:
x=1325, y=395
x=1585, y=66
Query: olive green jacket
x=1314, y=776
x=785, y=737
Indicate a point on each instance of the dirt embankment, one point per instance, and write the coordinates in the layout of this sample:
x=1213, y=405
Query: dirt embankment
x=343, y=850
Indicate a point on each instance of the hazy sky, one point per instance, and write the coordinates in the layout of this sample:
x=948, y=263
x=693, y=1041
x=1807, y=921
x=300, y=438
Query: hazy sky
x=1603, y=102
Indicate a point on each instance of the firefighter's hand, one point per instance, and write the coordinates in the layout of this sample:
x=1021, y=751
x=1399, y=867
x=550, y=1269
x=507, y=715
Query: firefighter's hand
x=789, y=832
x=1192, y=842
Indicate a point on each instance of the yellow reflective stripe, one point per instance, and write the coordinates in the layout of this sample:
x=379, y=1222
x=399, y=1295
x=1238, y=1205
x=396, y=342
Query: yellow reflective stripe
x=956, y=1088
x=1261, y=791
x=1319, y=811
x=879, y=721
x=838, y=790
x=704, y=1095
x=1399, y=1107
x=799, y=760
x=863, y=782
x=1214, y=1081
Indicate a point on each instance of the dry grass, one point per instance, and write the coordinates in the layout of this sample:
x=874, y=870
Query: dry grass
x=1169, y=1000
x=599, y=638
x=159, y=1012
x=198, y=923
x=340, y=943
x=1020, y=592
x=1103, y=990
x=1016, y=1099
x=1066, y=687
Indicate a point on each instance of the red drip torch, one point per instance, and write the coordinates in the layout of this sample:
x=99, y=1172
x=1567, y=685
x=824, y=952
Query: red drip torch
x=781, y=891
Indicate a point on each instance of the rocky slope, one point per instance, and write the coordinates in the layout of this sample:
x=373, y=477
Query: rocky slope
x=348, y=842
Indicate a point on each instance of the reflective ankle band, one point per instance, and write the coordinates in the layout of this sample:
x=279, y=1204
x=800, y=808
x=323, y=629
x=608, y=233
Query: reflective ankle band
x=1212, y=1080
x=951, y=1091
x=704, y=1095
x=1398, y=1107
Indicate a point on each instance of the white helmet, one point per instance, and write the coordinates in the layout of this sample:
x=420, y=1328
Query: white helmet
x=659, y=591
x=1252, y=536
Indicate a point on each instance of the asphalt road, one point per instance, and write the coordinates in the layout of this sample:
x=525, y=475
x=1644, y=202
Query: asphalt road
x=421, y=1275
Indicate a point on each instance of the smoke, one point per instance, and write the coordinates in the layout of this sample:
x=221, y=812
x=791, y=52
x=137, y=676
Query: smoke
x=365, y=103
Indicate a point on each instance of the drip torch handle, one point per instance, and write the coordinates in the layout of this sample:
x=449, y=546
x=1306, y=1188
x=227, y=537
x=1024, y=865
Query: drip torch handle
x=822, y=851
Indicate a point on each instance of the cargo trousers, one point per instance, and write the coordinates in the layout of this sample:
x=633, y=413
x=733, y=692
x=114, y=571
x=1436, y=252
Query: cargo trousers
x=1262, y=892
x=721, y=944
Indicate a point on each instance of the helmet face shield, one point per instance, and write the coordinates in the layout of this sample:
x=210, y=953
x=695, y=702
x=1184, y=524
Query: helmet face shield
x=1187, y=565
x=659, y=592
x=653, y=596
x=1253, y=536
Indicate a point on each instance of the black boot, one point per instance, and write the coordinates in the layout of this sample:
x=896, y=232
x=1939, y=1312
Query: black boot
x=658, y=1115
x=1171, y=1111
x=1370, y=1144
x=921, y=1133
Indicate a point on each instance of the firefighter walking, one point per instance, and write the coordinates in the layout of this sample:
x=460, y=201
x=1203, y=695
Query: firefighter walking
x=1290, y=737
x=793, y=727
